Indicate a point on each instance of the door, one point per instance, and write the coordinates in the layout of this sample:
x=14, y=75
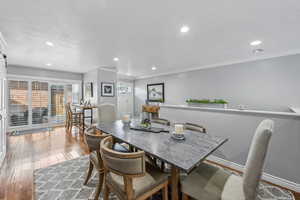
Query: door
x=125, y=98
x=3, y=106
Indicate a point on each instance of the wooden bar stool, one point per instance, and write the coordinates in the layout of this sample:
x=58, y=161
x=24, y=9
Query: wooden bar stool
x=73, y=118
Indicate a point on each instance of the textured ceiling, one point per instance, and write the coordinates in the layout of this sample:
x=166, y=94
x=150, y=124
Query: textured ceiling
x=89, y=33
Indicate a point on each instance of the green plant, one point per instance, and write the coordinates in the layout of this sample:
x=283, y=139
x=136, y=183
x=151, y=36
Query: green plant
x=208, y=101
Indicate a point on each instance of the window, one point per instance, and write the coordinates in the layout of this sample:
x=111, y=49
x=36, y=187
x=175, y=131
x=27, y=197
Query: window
x=57, y=103
x=39, y=101
x=18, y=103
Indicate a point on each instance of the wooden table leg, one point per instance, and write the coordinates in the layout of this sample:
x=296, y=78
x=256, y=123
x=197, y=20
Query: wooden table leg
x=174, y=182
x=83, y=120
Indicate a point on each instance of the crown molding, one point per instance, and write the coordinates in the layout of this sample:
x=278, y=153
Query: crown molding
x=221, y=64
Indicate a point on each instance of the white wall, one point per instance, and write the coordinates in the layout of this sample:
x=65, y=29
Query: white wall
x=97, y=76
x=270, y=84
x=92, y=77
x=107, y=76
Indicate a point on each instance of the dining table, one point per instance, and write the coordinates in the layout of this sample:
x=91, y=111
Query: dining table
x=183, y=155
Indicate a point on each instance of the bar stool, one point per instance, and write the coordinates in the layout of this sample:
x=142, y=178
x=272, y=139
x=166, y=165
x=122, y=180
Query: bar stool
x=72, y=118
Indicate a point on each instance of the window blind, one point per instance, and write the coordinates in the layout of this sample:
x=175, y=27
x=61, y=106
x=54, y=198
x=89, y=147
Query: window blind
x=18, y=103
x=39, y=101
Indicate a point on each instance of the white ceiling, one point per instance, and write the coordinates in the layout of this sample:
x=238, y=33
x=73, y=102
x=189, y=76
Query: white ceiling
x=89, y=33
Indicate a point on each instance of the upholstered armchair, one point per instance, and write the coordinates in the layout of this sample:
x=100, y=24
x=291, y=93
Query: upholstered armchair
x=93, y=138
x=127, y=176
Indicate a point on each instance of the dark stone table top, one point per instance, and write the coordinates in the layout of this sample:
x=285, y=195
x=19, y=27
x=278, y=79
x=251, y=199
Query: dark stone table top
x=184, y=154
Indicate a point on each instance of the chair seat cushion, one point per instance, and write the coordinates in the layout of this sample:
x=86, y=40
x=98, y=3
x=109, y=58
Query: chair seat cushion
x=120, y=148
x=152, y=178
x=208, y=182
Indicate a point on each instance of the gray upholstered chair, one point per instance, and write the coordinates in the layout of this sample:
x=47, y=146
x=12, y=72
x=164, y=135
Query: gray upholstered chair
x=93, y=138
x=208, y=182
x=127, y=177
x=107, y=112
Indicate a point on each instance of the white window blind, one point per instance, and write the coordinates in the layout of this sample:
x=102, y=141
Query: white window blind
x=39, y=101
x=57, y=103
x=18, y=103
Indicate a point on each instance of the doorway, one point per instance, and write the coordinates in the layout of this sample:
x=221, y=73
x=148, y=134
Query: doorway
x=125, y=98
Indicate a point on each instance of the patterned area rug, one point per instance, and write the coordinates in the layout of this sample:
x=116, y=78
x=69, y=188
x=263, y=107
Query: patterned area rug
x=64, y=181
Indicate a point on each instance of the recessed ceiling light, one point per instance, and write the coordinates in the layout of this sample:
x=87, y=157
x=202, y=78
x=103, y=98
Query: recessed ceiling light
x=49, y=44
x=153, y=68
x=255, y=42
x=116, y=59
x=184, y=29
x=49, y=64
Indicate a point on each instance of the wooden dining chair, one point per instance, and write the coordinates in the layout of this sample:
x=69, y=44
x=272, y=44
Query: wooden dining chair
x=208, y=182
x=93, y=138
x=73, y=118
x=127, y=177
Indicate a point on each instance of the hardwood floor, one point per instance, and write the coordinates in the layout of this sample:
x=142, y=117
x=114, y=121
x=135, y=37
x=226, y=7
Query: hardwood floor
x=32, y=151
x=28, y=152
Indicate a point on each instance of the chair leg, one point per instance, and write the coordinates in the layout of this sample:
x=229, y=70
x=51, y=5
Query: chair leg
x=106, y=193
x=165, y=192
x=88, y=176
x=185, y=196
x=99, y=186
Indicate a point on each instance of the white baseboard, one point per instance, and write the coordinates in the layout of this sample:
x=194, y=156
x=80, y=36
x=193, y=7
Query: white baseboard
x=267, y=177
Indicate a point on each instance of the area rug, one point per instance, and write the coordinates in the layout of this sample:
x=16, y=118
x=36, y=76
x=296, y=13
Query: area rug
x=64, y=181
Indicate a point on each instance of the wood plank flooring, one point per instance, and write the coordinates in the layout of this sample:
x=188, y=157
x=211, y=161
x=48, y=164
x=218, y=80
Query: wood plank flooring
x=32, y=151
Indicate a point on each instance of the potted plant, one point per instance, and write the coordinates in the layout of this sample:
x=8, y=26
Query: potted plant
x=215, y=103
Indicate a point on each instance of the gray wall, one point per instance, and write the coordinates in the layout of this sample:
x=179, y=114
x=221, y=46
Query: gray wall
x=38, y=72
x=283, y=158
x=271, y=84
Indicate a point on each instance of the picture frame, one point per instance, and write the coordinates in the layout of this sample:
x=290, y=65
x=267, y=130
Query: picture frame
x=88, y=90
x=107, y=89
x=156, y=92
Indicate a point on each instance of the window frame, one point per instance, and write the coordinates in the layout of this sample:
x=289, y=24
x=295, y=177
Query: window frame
x=50, y=81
